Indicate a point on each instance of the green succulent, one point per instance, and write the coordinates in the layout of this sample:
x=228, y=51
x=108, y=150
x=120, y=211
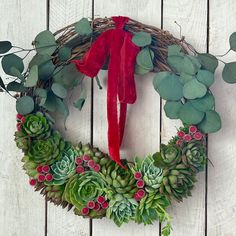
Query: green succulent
x=178, y=182
x=121, y=209
x=119, y=180
x=54, y=194
x=36, y=126
x=194, y=155
x=30, y=167
x=46, y=151
x=22, y=142
x=82, y=188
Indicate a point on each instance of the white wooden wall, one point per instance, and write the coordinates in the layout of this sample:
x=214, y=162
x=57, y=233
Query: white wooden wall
x=212, y=209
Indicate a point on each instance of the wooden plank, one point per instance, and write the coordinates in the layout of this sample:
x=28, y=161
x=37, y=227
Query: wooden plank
x=222, y=149
x=188, y=217
x=22, y=211
x=63, y=13
x=142, y=127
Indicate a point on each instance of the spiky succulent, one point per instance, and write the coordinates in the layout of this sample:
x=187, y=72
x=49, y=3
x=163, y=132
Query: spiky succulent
x=65, y=167
x=178, y=182
x=121, y=209
x=36, y=126
x=194, y=155
x=46, y=151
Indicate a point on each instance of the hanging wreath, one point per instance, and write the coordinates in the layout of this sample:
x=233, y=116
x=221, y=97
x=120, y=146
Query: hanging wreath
x=81, y=176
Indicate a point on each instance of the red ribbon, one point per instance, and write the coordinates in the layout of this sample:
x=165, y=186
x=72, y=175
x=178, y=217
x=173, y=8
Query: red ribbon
x=117, y=44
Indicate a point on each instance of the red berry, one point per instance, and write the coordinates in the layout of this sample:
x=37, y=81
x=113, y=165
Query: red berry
x=45, y=169
x=49, y=177
x=105, y=205
x=179, y=142
x=136, y=197
x=86, y=157
x=85, y=211
x=141, y=193
x=187, y=137
x=79, y=169
x=32, y=182
x=41, y=177
x=39, y=169
x=91, y=204
x=180, y=134
x=19, y=116
x=22, y=119
x=78, y=160
x=140, y=183
x=198, y=136
x=101, y=199
x=97, y=207
x=138, y=175
x=18, y=126
x=97, y=168
x=91, y=163
x=192, y=129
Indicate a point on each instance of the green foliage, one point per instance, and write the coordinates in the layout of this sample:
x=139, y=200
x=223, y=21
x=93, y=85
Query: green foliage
x=174, y=50
x=206, y=77
x=82, y=98
x=194, y=89
x=229, y=73
x=25, y=105
x=172, y=109
x=16, y=87
x=64, y=53
x=208, y=61
x=59, y=90
x=142, y=39
x=144, y=59
x=205, y=103
x=11, y=63
x=5, y=46
x=32, y=78
x=232, y=41
x=83, y=27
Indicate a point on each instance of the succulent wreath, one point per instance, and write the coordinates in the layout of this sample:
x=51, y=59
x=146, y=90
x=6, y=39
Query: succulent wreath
x=81, y=176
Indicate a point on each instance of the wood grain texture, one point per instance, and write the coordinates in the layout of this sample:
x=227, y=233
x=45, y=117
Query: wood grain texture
x=222, y=148
x=143, y=118
x=22, y=211
x=188, y=217
x=61, y=14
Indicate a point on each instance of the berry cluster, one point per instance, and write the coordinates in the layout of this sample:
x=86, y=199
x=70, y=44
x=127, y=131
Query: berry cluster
x=20, y=120
x=43, y=175
x=192, y=134
x=86, y=163
x=100, y=203
x=140, y=185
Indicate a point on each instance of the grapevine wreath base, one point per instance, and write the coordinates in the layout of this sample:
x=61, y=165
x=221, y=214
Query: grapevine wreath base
x=81, y=176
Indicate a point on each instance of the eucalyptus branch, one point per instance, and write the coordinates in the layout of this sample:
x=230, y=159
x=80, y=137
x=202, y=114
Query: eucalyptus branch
x=224, y=53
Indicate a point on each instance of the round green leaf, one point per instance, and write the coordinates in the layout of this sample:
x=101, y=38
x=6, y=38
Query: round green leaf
x=32, y=78
x=25, y=105
x=232, y=41
x=39, y=92
x=10, y=61
x=45, y=70
x=59, y=90
x=16, y=87
x=172, y=109
x=5, y=46
x=51, y=102
x=194, y=89
x=184, y=78
x=189, y=115
x=144, y=59
x=174, y=50
x=142, y=39
x=205, y=103
x=83, y=27
x=208, y=61
x=206, y=77
x=159, y=77
x=45, y=43
x=170, y=88
x=229, y=73
x=140, y=70
x=211, y=123
x=64, y=53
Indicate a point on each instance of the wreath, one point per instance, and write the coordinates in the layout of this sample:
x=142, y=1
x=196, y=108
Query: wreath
x=81, y=176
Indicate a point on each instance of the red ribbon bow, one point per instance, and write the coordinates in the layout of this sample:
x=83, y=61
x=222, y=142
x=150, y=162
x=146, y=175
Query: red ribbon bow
x=117, y=44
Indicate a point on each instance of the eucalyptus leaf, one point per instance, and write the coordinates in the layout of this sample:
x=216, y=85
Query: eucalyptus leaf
x=39, y=59
x=206, y=77
x=83, y=27
x=40, y=92
x=15, y=72
x=142, y=39
x=59, y=90
x=159, y=77
x=10, y=61
x=229, y=73
x=51, y=102
x=45, y=43
x=211, y=123
x=145, y=58
x=62, y=108
x=194, y=89
x=82, y=98
x=64, y=53
x=184, y=78
x=205, y=103
x=45, y=70
x=2, y=85
x=174, y=50
x=189, y=115
x=25, y=105
x=16, y=87
x=32, y=78
x=232, y=41
x=195, y=61
x=172, y=109
x=208, y=61
x=140, y=70
x=5, y=46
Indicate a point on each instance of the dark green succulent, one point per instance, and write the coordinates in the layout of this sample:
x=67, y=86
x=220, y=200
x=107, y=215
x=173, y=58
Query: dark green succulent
x=46, y=151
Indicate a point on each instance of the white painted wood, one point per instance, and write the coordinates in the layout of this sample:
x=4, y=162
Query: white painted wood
x=61, y=222
x=22, y=210
x=188, y=217
x=222, y=149
x=142, y=127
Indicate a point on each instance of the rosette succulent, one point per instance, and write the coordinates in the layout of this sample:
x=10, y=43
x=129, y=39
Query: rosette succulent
x=194, y=155
x=46, y=151
x=30, y=167
x=22, y=142
x=36, y=126
x=83, y=188
x=121, y=209
x=64, y=168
